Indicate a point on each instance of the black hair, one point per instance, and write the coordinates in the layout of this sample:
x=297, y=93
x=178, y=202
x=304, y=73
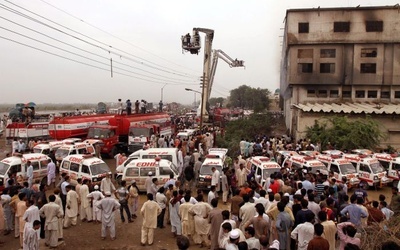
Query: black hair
x=318, y=229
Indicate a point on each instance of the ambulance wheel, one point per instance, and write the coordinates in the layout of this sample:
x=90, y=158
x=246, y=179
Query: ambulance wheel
x=395, y=183
x=364, y=185
x=44, y=181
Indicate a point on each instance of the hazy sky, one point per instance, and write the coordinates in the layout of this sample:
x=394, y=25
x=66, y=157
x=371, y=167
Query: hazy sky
x=143, y=40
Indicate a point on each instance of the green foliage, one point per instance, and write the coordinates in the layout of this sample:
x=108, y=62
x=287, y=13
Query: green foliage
x=246, y=128
x=346, y=134
x=214, y=100
x=249, y=98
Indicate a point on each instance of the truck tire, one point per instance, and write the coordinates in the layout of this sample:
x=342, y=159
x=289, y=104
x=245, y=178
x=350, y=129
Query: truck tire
x=395, y=183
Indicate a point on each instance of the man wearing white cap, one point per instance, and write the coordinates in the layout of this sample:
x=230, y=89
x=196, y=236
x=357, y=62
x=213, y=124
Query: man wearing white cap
x=233, y=240
x=148, y=182
x=96, y=197
x=108, y=205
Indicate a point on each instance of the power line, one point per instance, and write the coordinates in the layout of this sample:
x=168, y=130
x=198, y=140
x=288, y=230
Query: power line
x=80, y=62
x=108, y=46
x=80, y=19
x=103, y=57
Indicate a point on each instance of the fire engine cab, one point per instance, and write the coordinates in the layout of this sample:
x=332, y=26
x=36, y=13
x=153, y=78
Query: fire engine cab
x=340, y=168
x=391, y=162
x=308, y=163
x=263, y=167
x=139, y=169
x=370, y=171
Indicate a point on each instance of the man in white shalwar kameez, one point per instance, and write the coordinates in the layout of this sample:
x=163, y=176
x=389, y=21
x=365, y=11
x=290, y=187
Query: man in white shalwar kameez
x=150, y=210
x=71, y=209
x=96, y=197
x=186, y=219
x=52, y=212
x=58, y=201
x=174, y=204
x=107, y=185
x=108, y=205
x=201, y=210
x=31, y=236
x=85, y=209
x=31, y=214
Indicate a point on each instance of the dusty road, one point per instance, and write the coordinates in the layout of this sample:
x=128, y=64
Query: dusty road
x=87, y=235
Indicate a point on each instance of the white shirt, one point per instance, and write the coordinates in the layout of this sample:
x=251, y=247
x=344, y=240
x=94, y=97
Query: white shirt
x=191, y=201
x=29, y=172
x=161, y=200
x=211, y=195
x=215, y=178
x=304, y=232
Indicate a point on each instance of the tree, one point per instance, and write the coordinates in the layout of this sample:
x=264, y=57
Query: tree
x=214, y=100
x=346, y=134
x=249, y=98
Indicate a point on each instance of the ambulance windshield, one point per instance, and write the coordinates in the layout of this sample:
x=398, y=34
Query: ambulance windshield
x=267, y=172
x=100, y=168
x=206, y=169
x=37, y=150
x=376, y=168
x=3, y=168
x=61, y=153
x=347, y=168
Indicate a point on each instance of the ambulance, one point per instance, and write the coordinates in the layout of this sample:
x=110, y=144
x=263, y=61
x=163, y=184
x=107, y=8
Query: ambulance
x=370, y=171
x=263, y=167
x=221, y=152
x=170, y=154
x=391, y=162
x=340, y=168
x=308, y=163
x=204, y=181
x=139, y=169
x=282, y=155
x=84, y=166
x=17, y=164
x=47, y=147
x=72, y=149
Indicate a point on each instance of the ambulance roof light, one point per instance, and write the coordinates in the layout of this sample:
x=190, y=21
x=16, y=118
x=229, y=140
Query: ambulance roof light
x=212, y=156
x=87, y=156
x=264, y=159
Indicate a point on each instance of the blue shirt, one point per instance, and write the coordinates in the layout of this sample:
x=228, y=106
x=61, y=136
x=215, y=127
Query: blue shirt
x=355, y=213
x=307, y=185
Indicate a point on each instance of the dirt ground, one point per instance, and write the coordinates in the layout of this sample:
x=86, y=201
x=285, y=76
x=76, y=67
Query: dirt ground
x=87, y=235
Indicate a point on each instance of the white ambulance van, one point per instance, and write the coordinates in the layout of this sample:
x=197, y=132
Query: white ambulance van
x=391, y=162
x=73, y=149
x=340, y=168
x=17, y=164
x=47, y=147
x=308, y=163
x=170, y=154
x=84, y=166
x=370, y=171
x=139, y=169
x=204, y=181
x=263, y=168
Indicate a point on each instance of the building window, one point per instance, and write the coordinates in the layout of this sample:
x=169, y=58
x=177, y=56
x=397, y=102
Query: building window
x=305, y=53
x=385, y=94
x=334, y=93
x=369, y=52
x=303, y=27
x=310, y=92
x=374, y=26
x=327, y=53
x=322, y=93
x=341, y=27
x=397, y=94
x=305, y=67
x=360, y=93
x=372, y=94
x=346, y=93
x=327, y=68
x=368, y=68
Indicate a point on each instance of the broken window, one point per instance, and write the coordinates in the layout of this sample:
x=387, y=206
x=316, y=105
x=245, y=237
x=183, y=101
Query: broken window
x=303, y=27
x=326, y=68
x=372, y=94
x=369, y=52
x=327, y=53
x=334, y=93
x=341, y=27
x=310, y=92
x=374, y=26
x=368, y=68
x=305, y=68
x=385, y=94
x=305, y=53
x=360, y=93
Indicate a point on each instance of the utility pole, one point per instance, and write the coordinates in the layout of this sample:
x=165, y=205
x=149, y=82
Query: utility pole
x=162, y=92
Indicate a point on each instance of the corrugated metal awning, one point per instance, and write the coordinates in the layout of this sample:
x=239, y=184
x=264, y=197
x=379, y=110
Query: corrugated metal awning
x=347, y=107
